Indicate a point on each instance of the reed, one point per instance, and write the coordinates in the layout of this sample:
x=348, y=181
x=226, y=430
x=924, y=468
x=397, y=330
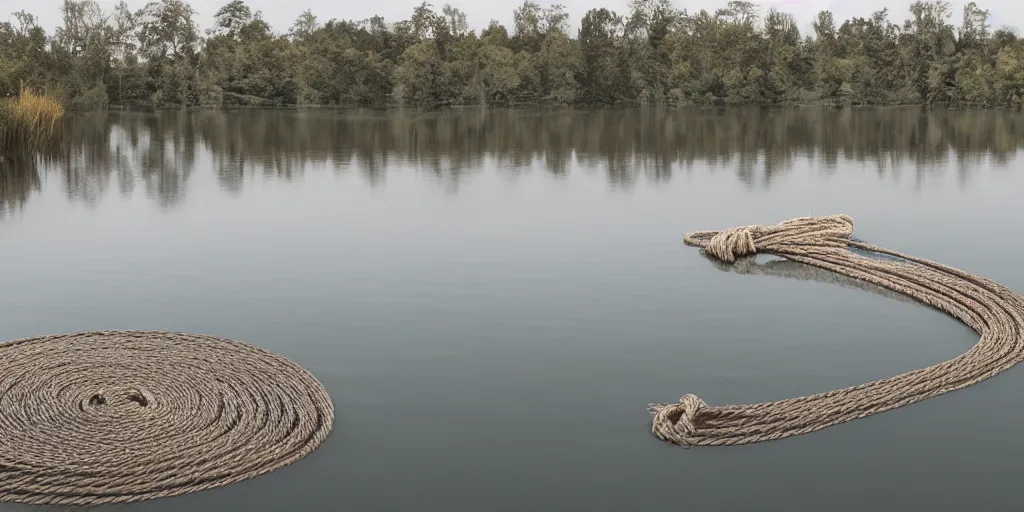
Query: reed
x=29, y=123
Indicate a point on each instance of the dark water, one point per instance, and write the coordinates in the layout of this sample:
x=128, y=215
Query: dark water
x=493, y=297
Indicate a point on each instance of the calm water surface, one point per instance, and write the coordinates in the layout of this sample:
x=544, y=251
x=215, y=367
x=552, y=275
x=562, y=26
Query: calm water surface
x=493, y=297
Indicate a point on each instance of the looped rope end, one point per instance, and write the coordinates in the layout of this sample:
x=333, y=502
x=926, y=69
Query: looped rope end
x=677, y=423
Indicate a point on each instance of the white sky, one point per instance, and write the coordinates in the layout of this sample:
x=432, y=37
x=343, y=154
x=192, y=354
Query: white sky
x=281, y=14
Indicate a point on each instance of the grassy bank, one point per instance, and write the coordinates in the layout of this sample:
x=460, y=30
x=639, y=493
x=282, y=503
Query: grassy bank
x=28, y=123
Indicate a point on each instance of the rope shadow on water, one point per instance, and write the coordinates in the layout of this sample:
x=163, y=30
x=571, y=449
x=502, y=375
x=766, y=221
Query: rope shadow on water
x=786, y=269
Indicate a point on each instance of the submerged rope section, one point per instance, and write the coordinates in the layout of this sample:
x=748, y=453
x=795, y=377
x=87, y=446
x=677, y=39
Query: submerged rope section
x=995, y=312
x=124, y=416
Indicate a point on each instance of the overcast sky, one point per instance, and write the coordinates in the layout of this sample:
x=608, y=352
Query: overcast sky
x=281, y=14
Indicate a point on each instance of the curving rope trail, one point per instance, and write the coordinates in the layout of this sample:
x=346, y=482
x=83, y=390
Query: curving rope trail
x=995, y=312
x=125, y=416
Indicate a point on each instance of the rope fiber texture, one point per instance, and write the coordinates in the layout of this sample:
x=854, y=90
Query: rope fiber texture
x=124, y=416
x=995, y=312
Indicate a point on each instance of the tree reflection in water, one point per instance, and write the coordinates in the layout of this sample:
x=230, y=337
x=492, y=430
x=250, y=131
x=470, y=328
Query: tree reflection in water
x=160, y=151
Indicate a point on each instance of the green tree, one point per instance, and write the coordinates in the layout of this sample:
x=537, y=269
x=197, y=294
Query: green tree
x=653, y=54
x=604, y=75
x=418, y=77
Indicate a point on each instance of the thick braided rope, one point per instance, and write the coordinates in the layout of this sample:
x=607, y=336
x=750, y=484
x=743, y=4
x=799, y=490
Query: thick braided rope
x=995, y=312
x=115, y=417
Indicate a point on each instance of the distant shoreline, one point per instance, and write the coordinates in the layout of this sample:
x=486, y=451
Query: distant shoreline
x=654, y=53
x=555, y=108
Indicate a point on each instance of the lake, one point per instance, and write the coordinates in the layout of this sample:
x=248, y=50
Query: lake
x=493, y=297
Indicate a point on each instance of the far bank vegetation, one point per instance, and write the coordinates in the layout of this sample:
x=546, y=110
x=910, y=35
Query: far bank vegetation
x=654, y=53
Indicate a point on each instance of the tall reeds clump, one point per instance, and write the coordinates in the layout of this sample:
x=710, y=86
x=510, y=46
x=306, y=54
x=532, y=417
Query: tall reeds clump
x=29, y=123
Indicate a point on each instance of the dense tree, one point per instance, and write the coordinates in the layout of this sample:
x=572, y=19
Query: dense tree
x=653, y=53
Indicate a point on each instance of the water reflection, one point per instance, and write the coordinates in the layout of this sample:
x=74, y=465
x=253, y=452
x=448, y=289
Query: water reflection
x=156, y=152
x=787, y=269
x=160, y=151
x=18, y=180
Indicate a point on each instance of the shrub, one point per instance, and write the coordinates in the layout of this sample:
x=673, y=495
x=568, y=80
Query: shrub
x=29, y=123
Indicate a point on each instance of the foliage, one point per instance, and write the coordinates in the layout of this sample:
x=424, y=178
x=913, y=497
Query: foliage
x=28, y=123
x=653, y=53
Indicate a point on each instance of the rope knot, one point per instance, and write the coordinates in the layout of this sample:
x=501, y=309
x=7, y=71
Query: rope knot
x=679, y=421
x=789, y=236
x=729, y=244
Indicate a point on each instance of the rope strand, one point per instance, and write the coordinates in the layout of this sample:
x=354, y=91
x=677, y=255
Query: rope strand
x=995, y=312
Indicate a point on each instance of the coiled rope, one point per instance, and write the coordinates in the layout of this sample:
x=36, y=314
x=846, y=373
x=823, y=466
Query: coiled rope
x=124, y=416
x=995, y=312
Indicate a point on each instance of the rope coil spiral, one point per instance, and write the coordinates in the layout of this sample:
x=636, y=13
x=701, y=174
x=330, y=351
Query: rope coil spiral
x=124, y=416
x=995, y=312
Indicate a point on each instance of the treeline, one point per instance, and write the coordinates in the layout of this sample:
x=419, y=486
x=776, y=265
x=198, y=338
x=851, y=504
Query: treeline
x=654, y=54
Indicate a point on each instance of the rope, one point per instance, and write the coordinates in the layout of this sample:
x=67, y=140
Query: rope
x=125, y=416
x=995, y=312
